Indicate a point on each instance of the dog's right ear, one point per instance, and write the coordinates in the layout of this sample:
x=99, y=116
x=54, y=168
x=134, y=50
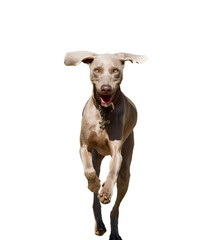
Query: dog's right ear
x=131, y=57
x=75, y=58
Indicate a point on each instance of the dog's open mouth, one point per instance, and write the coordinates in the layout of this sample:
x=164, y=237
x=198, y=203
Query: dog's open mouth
x=105, y=100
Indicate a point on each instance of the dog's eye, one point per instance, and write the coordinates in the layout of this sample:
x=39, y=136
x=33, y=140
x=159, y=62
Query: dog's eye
x=96, y=70
x=115, y=70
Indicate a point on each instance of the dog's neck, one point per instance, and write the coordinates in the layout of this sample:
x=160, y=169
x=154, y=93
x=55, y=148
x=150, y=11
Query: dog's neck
x=105, y=112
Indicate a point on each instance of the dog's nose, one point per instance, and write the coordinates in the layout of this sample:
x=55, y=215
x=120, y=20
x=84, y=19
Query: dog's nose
x=106, y=88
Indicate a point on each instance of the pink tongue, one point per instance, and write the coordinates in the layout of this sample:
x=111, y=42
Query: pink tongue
x=106, y=98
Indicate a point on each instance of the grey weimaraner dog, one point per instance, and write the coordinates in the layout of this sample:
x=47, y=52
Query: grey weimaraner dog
x=107, y=129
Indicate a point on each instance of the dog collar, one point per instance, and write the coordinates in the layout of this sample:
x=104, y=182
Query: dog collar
x=105, y=112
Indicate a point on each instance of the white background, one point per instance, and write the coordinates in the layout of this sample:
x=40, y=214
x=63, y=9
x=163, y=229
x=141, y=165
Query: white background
x=43, y=192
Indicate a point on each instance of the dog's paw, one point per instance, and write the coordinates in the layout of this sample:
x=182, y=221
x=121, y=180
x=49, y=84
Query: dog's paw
x=100, y=230
x=105, y=194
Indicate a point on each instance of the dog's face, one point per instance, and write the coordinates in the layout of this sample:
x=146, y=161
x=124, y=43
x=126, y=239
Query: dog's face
x=106, y=73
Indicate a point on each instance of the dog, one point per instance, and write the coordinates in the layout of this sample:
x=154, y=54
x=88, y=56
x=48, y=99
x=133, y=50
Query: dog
x=108, y=120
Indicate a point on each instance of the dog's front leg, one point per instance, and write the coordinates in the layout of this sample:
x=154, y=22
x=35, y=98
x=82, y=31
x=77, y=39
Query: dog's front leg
x=115, y=164
x=89, y=171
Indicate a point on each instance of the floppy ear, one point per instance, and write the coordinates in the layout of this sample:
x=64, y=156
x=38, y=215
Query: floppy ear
x=131, y=57
x=75, y=58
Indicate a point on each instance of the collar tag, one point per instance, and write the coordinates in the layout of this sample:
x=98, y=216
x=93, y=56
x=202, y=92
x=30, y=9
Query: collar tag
x=113, y=106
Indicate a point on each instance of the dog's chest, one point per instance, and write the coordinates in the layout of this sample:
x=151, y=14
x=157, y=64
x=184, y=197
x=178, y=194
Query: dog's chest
x=98, y=139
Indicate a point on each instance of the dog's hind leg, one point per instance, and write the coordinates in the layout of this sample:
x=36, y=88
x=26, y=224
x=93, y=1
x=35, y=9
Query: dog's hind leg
x=99, y=225
x=122, y=185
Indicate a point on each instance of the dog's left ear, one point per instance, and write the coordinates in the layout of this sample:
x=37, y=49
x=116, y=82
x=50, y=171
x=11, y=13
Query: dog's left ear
x=75, y=58
x=131, y=57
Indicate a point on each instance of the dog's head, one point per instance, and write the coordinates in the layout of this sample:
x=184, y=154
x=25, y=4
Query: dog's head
x=106, y=71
